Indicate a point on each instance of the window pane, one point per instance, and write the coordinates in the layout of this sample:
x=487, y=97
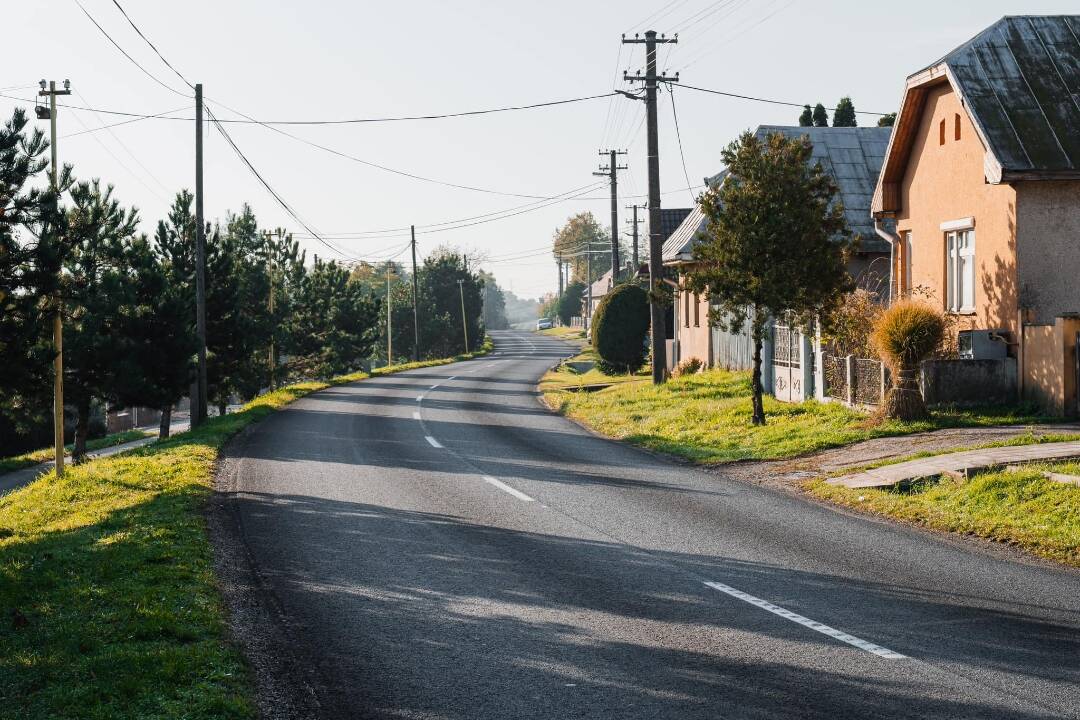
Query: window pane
x=950, y=272
x=967, y=282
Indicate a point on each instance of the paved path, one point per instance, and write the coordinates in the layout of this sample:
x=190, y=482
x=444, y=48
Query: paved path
x=437, y=545
x=18, y=478
x=958, y=463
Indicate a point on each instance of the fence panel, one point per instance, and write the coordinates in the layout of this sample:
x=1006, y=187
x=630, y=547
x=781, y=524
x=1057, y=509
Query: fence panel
x=835, y=370
x=867, y=381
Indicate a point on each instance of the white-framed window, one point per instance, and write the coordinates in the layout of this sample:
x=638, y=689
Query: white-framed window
x=960, y=270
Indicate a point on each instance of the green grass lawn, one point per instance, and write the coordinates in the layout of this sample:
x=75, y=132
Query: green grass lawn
x=566, y=376
x=109, y=601
x=36, y=457
x=706, y=418
x=1020, y=508
x=565, y=333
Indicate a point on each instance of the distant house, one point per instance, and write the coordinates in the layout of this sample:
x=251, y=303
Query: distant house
x=590, y=299
x=982, y=178
x=853, y=156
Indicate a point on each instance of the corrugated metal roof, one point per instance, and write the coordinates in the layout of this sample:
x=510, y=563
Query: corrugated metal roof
x=853, y=157
x=1020, y=79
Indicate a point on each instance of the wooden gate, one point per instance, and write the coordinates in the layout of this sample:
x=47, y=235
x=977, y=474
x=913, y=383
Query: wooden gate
x=787, y=363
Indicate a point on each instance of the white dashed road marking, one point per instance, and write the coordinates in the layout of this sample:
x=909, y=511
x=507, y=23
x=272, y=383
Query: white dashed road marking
x=416, y=416
x=807, y=622
x=432, y=441
x=506, y=488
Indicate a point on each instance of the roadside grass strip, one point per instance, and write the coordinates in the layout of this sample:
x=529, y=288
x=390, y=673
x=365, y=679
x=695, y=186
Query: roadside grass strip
x=36, y=457
x=110, y=608
x=1020, y=507
x=705, y=418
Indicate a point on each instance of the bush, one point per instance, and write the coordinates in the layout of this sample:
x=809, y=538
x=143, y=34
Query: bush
x=569, y=305
x=688, y=367
x=905, y=335
x=619, y=329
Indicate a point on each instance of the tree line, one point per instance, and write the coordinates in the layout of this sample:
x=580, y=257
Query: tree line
x=128, y=302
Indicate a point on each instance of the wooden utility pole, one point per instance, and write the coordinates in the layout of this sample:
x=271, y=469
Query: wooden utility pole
x=634, y=233
x=58, y=302
x=270, y=256
x=656, y=269
x=389, y=332
x=198, y=414
x=464, y=324
x=415, y=295
x=609, y=171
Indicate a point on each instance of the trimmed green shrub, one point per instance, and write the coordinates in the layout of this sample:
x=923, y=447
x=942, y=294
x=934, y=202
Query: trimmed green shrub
x=619, y=329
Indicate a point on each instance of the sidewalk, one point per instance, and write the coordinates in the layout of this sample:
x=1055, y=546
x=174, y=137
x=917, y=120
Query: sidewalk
x=958, y=463
x=18, y=478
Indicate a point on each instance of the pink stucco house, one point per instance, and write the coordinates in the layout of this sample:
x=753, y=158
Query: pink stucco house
x=982, y=180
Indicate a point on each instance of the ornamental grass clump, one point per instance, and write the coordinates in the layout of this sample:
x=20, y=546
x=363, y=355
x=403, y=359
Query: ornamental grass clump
x=906, y=334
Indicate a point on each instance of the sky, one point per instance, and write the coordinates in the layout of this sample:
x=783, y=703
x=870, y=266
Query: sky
x=347, y=59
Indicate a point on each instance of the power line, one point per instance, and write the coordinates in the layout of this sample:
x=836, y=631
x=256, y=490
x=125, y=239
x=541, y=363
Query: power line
x=678, y=136
x=764, y=100
x=281, y=201
x=152, y=47
x=372, y=233
x=125, y=53
x=349, y=121
x=122, y=122
x=439, y=116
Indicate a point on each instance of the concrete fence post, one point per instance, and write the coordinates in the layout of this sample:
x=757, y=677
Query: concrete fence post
x=849, y=370
x=884, y=383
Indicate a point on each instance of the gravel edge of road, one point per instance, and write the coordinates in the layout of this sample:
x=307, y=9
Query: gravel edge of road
x=284, y=682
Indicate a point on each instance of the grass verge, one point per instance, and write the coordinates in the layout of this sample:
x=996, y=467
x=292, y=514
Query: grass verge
x=566, y=376
x=565, y=333
x=1021, y=508
x=36, y=457
x=706, y=418
x=110, y=605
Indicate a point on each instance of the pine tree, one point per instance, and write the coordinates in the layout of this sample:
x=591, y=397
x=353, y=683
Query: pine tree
x=98, y=298
x=31, y=249
x=807, y=117
x=775, y=241
x=844, y=115
x=887, y=120
x=821, y=118
x=335, y=322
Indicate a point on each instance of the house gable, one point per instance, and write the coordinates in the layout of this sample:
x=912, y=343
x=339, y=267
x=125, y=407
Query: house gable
x=1019, y=84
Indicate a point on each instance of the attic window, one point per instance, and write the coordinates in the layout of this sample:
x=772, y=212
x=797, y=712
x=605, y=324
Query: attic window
x=956, y=123
x=941, y=133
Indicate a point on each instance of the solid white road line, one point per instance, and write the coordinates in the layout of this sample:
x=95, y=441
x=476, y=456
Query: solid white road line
x=416, y=416
x=432, y=441
x=506, y=488
x=807, y=622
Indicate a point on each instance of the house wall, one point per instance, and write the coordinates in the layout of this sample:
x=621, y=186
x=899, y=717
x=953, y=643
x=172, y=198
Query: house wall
x=947, y=182
x=1050, y=365
x=1048, y=247
x=694, y=337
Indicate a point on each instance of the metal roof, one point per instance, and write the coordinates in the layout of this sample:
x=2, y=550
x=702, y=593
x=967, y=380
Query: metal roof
x=852, y=155
x=1020, y=80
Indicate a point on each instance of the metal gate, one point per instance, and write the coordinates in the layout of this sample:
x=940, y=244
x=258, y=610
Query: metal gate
x=787, y=363
x=1076, y=362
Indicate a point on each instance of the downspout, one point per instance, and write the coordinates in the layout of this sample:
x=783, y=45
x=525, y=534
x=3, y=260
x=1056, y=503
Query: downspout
x=893, y=239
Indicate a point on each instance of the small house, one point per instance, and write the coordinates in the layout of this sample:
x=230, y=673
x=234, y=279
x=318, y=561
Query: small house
x=982, y=180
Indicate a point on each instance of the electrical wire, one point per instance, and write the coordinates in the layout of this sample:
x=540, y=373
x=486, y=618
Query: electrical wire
x=125, y=53
x=152, y=47
x=763, y=100
x=678, y=136
x=280, y=200
x=122, y=122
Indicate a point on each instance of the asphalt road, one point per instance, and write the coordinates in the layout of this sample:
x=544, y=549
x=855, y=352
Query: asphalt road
x=438, y=545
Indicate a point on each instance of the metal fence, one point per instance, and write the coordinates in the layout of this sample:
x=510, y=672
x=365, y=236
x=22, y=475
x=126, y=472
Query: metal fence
x=855, y=381
x=836, y=381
